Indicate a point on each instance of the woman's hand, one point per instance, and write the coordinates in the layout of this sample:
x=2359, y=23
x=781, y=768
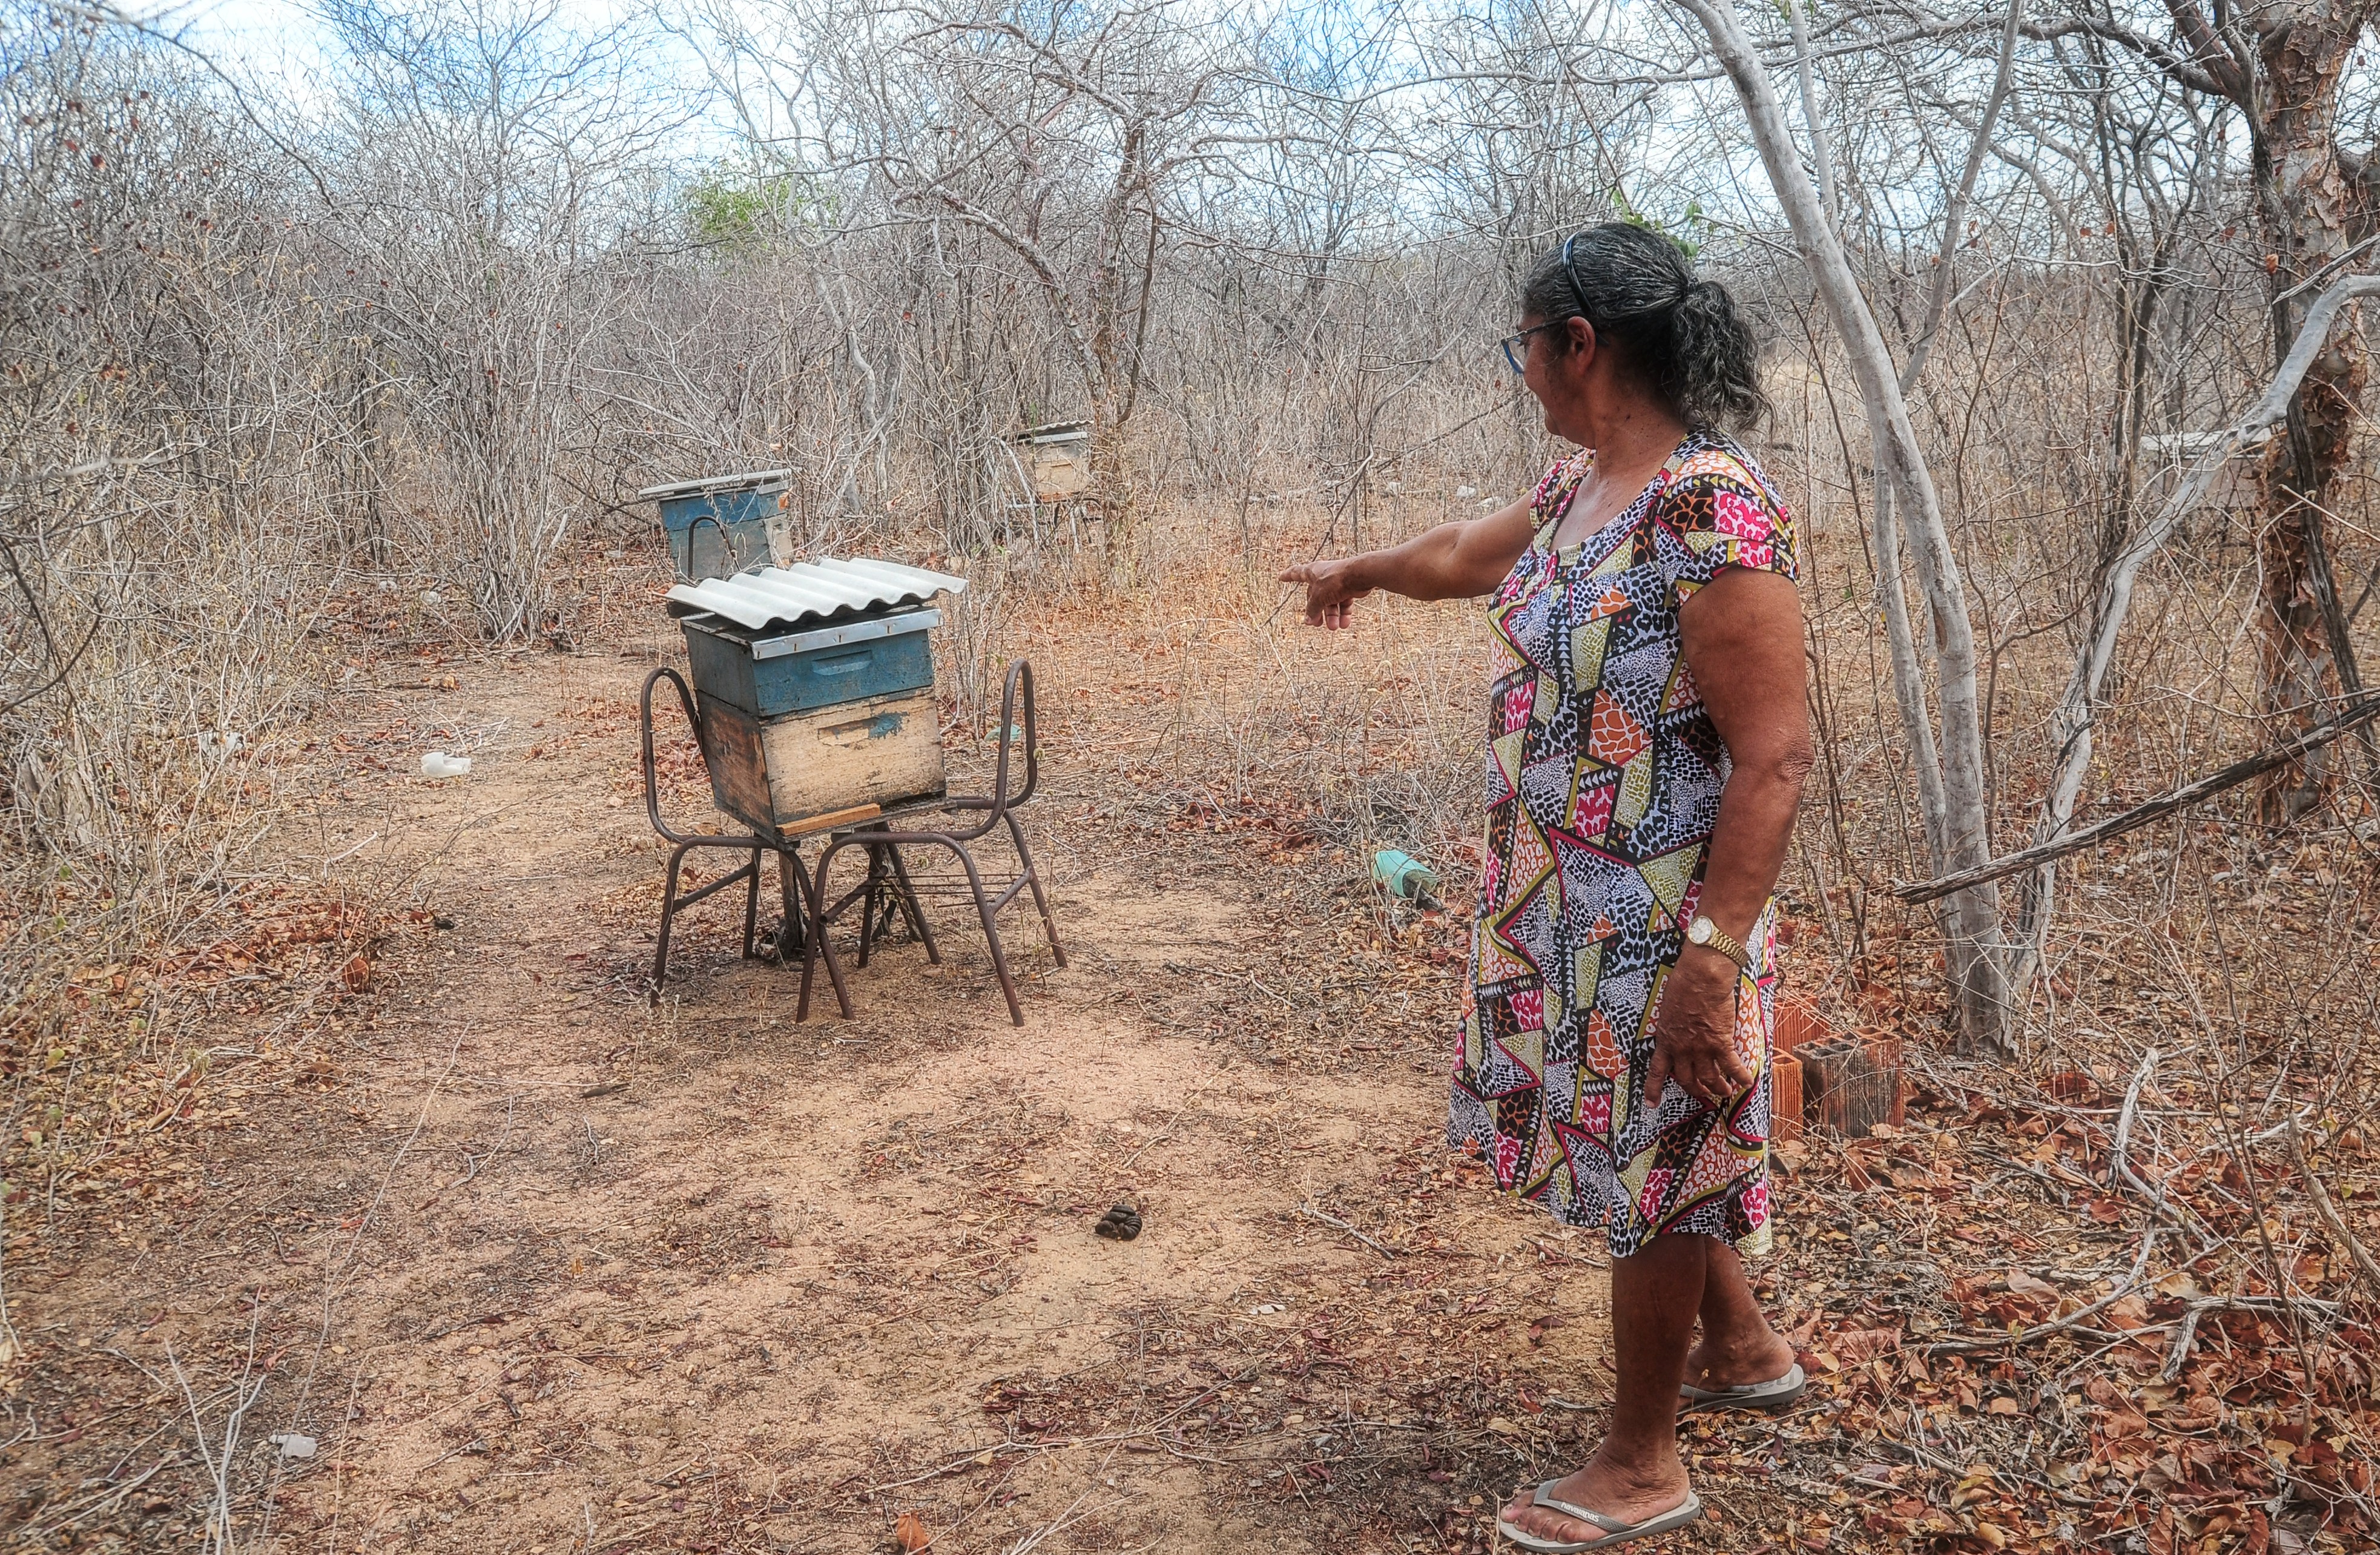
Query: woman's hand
x=1693, y=1032
x=1331, y=590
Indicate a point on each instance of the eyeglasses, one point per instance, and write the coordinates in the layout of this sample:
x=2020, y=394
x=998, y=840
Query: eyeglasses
x=1516, y=347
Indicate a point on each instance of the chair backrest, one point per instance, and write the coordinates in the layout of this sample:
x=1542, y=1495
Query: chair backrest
x=651, y=769
x=1001, y=799
x=1020, y=678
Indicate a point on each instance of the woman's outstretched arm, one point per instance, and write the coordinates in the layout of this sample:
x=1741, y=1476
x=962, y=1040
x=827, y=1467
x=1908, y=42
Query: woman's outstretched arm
x=1455, y=560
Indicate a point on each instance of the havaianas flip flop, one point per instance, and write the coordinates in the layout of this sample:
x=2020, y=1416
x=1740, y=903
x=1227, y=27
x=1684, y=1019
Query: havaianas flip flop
x=1615, y=1532
x=1774, y=1394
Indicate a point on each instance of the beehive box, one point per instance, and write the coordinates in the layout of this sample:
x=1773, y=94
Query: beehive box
x=719, y=525
x=1058, y=457
x=776, y=773
x=768, y=675
x=815, y=687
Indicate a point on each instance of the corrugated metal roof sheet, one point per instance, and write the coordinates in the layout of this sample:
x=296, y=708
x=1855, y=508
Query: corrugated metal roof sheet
x=750, y=481
x=1056, y=431
x=809, y=592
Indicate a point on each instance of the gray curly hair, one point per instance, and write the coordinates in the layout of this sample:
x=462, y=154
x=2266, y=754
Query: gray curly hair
x=1683, y=333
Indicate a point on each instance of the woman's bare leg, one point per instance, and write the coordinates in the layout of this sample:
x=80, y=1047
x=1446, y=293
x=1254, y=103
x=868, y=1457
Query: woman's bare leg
x=1636, y=1473
x=1738, y=1346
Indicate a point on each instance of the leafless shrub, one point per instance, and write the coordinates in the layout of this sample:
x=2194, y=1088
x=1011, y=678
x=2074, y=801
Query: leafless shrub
x=451, y=322
x=477, y=178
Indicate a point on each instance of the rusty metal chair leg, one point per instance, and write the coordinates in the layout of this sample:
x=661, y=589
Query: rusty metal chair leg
x=990, y=932
x=818, y=943
x=795, y=932
x=869, y=892
x=887, y=885
x=1033, y=880
x=910, y=908
x=752, y=905
x=669, y=910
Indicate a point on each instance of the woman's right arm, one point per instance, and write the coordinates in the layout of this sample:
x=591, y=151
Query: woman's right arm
x=1455, y=560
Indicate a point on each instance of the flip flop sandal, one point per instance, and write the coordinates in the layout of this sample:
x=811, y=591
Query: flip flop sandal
x=1777, y=1392
x=1615, y=1532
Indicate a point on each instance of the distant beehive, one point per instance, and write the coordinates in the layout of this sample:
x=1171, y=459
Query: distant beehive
x=719, y=524
x=1058, y=459
x=2166, y=457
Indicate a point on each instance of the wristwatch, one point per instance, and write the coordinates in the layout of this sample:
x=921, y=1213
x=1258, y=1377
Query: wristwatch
x=1702, y=932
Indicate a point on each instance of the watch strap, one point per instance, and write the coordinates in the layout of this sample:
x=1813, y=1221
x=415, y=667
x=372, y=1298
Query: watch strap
x=1720, y=939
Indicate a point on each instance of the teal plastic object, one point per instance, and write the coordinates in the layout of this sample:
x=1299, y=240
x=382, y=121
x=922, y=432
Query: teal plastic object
x=1401, y=874
x=736, y=666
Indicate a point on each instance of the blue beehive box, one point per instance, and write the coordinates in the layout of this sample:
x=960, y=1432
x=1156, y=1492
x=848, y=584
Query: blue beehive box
x=719, y=525
x=769, y=673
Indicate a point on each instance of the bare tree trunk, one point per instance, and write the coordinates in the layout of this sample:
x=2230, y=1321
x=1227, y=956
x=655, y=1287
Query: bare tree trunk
x=1977, y=958
x=2074, y=722
x=2303, y=205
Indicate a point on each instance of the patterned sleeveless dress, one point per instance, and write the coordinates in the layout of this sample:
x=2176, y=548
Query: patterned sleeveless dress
x=1603, y=774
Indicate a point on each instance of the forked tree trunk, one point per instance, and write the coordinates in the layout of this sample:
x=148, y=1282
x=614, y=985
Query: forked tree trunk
x=2304, y=207
x=2279, y=62
x=1960, y=837
x=2072, y=724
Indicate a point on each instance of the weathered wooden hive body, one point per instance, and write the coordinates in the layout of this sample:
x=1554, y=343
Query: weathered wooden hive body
x=816, y=684
x=1057, y=459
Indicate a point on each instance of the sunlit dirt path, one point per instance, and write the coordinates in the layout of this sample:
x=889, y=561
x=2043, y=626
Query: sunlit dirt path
x=537, y=1266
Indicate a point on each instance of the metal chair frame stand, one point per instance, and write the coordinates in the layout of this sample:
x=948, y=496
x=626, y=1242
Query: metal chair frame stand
x=888, y=878
x=882, y=843
x=798, y=902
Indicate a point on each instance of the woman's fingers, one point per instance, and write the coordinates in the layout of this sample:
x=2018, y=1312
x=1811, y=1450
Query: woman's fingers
x=1731, y=1079
x=1329, y=602
x=1660, y=1072
x=1711, y=1072
x=1321, y=608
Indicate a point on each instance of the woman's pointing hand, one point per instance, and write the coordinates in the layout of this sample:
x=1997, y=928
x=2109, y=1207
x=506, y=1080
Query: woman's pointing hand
x=1331, y=591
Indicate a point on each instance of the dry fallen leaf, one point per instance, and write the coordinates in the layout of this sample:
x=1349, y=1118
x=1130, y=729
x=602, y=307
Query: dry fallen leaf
x=358, y=975
x=1860, y=1344
x=910, y=1534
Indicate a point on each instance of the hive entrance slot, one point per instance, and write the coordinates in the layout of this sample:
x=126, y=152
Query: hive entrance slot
x=861, y=731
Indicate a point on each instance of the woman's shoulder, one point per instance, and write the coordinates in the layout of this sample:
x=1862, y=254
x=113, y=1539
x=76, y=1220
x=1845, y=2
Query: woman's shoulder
x=1715, y=464
x=1555, y=489
x=1562, y=476
x=1721, y=510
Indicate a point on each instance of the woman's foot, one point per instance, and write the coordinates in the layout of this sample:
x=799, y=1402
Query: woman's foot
x=1736, y=1361
x=1629, y=1495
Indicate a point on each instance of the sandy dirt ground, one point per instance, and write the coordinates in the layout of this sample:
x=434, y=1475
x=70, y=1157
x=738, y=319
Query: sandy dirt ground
x=537, y=1266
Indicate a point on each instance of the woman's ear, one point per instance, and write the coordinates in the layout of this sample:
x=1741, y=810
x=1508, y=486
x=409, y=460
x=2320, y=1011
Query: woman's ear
x=1581, y=337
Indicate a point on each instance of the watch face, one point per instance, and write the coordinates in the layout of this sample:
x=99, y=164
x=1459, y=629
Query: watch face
x=1699, y=931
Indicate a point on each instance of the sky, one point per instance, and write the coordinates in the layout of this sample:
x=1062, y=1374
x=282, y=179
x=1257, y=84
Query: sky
x=268, y=41
x=277, y=44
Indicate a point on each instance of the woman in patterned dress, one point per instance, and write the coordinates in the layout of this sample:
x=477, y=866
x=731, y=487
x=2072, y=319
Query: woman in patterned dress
x=1647, y=740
